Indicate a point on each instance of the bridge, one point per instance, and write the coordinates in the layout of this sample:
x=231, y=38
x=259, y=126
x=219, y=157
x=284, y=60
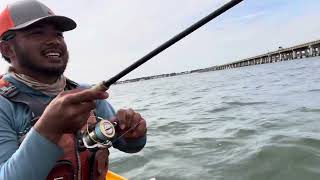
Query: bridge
x=306, y=50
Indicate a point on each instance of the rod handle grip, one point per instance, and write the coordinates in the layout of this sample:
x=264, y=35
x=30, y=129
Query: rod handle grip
x=100, y=87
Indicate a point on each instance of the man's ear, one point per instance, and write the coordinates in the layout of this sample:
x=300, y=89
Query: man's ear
x=6, y=49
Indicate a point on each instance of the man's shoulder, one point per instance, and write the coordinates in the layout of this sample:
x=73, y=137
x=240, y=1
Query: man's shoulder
x=17, y=85
x=4, y=101
x=6, y=106
x=7, y=89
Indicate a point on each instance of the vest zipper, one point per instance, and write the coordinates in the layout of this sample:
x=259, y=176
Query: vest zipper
x=78, y=159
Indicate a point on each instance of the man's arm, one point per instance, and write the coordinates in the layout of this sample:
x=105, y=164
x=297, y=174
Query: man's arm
x=34, y=158
x=37, y=155
x=106, y=111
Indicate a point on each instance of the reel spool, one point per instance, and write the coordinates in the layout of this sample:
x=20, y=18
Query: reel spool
x=100, y=135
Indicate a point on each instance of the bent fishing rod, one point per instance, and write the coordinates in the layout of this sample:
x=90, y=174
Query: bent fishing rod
x=104, y=85
x=102, y=135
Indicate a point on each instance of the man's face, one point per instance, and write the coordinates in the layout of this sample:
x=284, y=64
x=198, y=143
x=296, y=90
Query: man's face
x=42, y=49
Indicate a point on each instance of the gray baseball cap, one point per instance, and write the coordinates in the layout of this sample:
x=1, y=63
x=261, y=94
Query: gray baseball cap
x=22, y=14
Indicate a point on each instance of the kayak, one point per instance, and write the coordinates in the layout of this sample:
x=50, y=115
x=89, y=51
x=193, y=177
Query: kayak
x=113, y=176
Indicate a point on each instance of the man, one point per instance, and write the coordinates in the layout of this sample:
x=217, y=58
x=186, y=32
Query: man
x=42, y=113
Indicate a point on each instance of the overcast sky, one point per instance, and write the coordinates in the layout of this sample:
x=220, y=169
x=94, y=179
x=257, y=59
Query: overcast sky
x=112, y=34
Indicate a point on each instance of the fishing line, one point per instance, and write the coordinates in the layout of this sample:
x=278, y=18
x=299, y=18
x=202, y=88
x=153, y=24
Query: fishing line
x=132, y=128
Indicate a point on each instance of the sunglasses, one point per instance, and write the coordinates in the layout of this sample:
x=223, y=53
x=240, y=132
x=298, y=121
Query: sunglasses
x=8, y=36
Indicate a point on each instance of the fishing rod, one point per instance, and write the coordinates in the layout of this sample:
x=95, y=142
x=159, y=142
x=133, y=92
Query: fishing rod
x=104, y=85
x=102, y=134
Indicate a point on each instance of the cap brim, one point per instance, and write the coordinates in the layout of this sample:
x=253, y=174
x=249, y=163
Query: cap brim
x=61, y=22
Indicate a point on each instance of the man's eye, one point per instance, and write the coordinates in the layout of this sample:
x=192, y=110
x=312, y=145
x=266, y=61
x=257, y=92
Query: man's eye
x=60, y=34
x=36, y=32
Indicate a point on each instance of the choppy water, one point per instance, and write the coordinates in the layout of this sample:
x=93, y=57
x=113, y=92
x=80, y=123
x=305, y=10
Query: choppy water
x=257, y=122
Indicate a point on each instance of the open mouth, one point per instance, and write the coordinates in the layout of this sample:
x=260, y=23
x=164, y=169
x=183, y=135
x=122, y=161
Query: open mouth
x=53, y=55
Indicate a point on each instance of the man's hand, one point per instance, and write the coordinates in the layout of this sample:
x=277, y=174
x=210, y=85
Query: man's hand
x=131, y=123
x=67, y=113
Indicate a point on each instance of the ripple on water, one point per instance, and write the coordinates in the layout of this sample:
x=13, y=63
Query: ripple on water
x=215, y=144
x=299, y=68
x=307, y=109
x=303, y=141
x=196, y=97
x=241, y=133
x=141, y=109
x=203, y=90
x=175, y=104
x=268, y=124
x=239, y=103
x=174, y=127
x=293, y=158
x=314, y=90
x=219, y=109
x=136, y=161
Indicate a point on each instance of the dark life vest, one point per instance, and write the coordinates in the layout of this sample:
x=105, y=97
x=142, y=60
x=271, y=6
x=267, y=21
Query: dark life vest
x=74, y=164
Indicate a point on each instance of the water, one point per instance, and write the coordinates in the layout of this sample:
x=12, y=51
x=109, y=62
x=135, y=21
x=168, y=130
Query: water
x=257, y=122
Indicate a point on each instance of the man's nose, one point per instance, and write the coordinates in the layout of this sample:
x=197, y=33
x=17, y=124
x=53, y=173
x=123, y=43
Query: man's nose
x=53, y=39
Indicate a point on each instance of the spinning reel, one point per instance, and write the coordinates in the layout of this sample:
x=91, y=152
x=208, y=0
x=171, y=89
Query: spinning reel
x=99, y=135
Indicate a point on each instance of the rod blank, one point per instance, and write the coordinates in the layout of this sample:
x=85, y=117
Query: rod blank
x=169, y=43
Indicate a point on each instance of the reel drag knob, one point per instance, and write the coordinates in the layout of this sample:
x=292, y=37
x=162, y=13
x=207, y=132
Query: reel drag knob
x=100, y=135
x=105, y=130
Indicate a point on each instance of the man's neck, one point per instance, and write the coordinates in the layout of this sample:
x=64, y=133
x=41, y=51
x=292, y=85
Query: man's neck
x=40, y=77
x=44, y=79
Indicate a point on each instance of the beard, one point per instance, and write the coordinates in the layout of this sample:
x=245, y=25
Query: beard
x=27, y=61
